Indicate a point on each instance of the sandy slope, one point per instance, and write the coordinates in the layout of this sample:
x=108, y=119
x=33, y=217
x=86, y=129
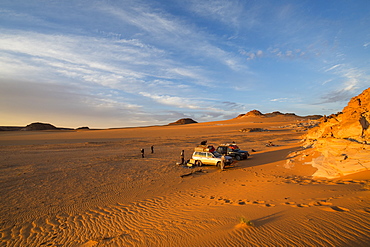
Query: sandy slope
x=92, y=188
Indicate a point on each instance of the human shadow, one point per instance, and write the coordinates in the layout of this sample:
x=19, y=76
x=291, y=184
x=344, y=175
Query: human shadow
x=267, y=219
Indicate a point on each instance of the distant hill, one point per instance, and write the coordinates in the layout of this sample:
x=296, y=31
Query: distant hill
x=10, y=128
x=256, y=113
x=32, y=127
x=183, y=121
x=39, y=126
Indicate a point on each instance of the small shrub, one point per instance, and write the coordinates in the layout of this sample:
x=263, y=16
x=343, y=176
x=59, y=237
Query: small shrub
x=244, y=221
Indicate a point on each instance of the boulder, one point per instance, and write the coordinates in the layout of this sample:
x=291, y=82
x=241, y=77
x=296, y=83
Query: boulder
x=253, y=130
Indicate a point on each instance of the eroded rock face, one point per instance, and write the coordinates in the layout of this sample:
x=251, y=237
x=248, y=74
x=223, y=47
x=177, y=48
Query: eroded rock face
x=340, y=145
x=335, y=157
x=352, y=123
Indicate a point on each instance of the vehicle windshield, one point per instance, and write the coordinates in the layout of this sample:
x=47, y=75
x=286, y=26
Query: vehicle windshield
x=234, y=147
x=216, y=154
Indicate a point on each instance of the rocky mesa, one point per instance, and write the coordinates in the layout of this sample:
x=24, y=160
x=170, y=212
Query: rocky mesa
x=183, y=121
x=339, y=145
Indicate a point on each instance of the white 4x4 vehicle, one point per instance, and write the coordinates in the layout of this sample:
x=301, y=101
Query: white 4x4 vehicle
x=208, y=158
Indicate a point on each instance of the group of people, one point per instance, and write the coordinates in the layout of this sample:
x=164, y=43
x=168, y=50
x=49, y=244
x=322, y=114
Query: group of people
x=143, y=151
x=269, y=144
x=182, y=156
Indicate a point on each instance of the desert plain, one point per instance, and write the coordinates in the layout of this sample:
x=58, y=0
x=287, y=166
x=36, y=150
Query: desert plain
x=93, y=188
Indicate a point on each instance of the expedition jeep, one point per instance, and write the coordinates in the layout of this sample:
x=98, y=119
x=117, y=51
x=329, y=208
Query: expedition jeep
x=210, y=158
x=233, y=151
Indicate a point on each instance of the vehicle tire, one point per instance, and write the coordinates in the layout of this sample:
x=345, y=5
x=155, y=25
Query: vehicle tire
x=237, y=157
x=198, y=163
x=218, y=164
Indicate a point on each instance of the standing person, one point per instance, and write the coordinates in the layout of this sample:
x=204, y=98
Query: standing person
x=152, y=148
x=222, y=165
x=142, y=153
x=182, y=156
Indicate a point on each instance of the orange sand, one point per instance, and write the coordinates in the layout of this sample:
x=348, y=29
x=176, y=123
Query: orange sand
x=92, y=188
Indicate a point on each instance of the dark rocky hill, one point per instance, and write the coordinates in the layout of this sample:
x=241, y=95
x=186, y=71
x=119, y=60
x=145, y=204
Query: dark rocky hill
x=39, y=126
x=256, y=113
x=184, y=121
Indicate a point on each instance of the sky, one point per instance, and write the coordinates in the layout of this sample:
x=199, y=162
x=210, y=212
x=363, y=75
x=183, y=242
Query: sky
x=125, y=63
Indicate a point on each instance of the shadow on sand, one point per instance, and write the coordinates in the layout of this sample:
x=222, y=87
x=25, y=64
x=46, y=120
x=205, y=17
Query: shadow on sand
x=266, y=157
x=267, y=219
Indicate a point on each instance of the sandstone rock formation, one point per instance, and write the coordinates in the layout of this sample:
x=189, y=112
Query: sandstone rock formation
x=254, y=113
x=352, y=123
x=340, y=144
x=184, y=121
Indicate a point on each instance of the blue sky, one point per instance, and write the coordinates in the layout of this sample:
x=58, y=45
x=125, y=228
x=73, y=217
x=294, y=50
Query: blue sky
x=120, y=63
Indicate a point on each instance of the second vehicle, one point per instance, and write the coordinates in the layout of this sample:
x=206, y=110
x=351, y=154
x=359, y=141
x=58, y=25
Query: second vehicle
x=233, y=151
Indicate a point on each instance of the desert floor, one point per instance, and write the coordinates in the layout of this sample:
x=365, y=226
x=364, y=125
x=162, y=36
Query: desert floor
x=92, y=188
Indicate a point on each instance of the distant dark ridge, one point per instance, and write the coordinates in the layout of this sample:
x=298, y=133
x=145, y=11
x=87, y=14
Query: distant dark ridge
x=277, y=113
x=183, y=121
x=33, y=127
x=39, y=126
x=256, y=113
x=10, y=128
x=83, y=128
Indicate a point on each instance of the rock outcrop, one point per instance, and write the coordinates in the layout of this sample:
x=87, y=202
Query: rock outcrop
x=253, y=130
x=340, y=144
x=352, y=123
x=184, y=121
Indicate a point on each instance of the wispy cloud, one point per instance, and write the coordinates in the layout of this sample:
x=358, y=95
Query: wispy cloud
x=166, y=29
x=227, y=12
x=156, y=60
x=351, y=79
x=333, y=67
x=280, y=100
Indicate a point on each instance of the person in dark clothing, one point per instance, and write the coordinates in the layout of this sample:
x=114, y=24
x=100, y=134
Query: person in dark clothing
x=142, y=153
x=152, y=148
x=182, y=157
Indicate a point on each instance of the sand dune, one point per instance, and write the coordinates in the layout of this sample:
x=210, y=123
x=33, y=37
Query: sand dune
x=92, y=188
